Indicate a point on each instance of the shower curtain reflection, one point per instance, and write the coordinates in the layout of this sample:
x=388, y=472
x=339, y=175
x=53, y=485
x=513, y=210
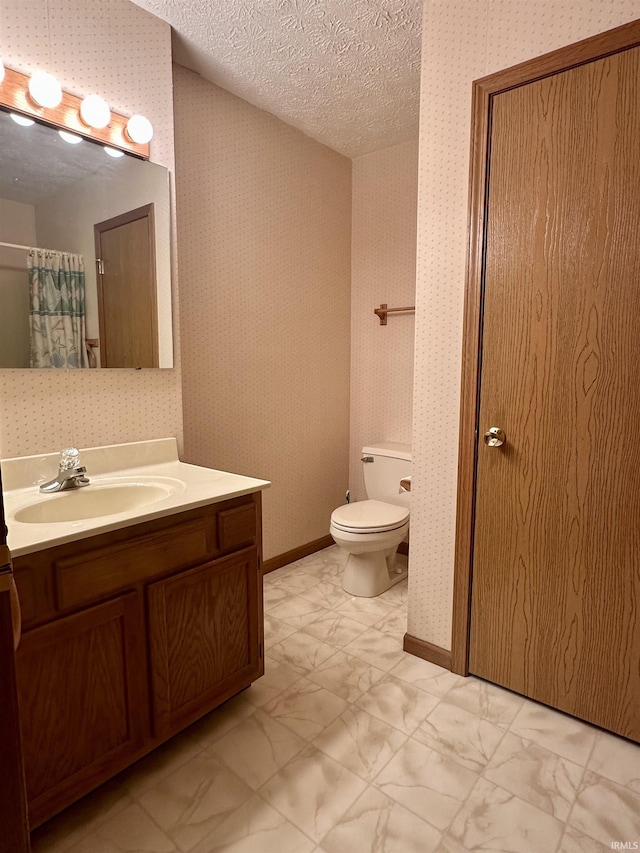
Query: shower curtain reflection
x=57, y=309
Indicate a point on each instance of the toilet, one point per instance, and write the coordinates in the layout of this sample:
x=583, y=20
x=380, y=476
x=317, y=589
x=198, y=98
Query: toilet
x=371, y=530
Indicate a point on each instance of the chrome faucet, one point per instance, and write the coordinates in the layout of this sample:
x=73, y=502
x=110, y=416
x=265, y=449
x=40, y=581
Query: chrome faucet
x=71, y=474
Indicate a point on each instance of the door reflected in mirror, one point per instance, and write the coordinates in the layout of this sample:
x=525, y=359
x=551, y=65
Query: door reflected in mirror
x=78, y=201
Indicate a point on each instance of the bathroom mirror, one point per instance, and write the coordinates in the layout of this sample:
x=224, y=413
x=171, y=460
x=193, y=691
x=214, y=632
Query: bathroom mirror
x=64, y=197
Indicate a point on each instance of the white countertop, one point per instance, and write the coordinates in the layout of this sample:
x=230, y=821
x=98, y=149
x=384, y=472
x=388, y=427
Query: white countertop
x=188, y=487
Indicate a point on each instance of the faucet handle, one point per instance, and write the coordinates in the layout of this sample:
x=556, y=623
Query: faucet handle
x=69, y=458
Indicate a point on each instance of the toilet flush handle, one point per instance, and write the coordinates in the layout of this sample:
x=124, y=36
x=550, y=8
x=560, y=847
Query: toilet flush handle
x=367, y=459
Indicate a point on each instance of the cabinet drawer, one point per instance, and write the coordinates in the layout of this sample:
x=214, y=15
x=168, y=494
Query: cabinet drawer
x=96, y=573
x=236, y=526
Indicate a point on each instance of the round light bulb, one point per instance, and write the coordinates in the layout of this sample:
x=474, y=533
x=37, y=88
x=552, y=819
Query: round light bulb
x=95, y=112
x=139, y=129
x=71, y=138
x=113, y=152
x=23, y=121
x=45, y=89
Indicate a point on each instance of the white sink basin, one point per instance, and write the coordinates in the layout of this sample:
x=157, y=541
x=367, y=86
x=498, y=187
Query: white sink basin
x=93, y=501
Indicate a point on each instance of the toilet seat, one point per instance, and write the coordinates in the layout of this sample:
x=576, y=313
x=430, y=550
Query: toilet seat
x=369, y=517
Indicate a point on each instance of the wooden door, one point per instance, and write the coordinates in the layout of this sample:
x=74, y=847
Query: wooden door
x=204, y=638
x=125, y=252
x=555, y=606
x=82, y=688
x=14, y=824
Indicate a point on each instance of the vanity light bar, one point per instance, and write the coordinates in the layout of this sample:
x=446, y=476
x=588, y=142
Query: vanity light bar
x=14, y=94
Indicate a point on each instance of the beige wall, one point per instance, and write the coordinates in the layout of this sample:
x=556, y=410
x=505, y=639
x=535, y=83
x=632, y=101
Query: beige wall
x=117, y=50
x=272, y=269
x=462, y=41
x=264, y=237
x=383, y=269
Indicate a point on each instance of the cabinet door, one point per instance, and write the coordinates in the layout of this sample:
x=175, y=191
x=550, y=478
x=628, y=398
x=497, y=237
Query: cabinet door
x=83, y=701
x=205, y=638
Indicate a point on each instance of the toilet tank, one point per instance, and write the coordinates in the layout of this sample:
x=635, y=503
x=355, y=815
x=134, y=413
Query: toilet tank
x=391, y=462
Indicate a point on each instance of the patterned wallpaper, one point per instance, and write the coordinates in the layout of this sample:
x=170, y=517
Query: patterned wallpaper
x=287, y=417
x=383, y=269
x=121, y=52
x=346, y=73
x=264, y=234
x=462, y=41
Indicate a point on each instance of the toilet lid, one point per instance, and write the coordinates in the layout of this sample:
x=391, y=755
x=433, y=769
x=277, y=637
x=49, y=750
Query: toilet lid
x=370, y=516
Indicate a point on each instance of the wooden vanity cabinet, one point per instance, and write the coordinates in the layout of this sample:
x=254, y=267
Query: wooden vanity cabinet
x=130, y=636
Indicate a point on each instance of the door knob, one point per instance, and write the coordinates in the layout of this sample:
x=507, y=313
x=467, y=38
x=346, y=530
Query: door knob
x=494, y=437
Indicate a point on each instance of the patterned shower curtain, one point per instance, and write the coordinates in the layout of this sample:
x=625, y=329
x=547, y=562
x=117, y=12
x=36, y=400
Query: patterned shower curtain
x=57, y=309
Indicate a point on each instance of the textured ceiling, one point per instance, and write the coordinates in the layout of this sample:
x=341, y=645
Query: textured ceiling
x=346, y=72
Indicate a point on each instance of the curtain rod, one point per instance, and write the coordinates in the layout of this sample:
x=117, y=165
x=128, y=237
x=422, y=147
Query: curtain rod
x=36, y=248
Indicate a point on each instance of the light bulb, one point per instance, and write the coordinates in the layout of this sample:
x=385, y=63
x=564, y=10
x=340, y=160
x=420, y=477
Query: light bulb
x=95, y=112
x=139, y=129
x=45, y=89
x=113, y=152
x=23, y=121
x=71, y=138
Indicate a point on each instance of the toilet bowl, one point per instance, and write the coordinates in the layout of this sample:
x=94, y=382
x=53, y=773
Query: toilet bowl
x=370, y=531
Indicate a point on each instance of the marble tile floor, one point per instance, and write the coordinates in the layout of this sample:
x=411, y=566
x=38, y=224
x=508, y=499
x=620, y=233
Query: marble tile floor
x=349, y=745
